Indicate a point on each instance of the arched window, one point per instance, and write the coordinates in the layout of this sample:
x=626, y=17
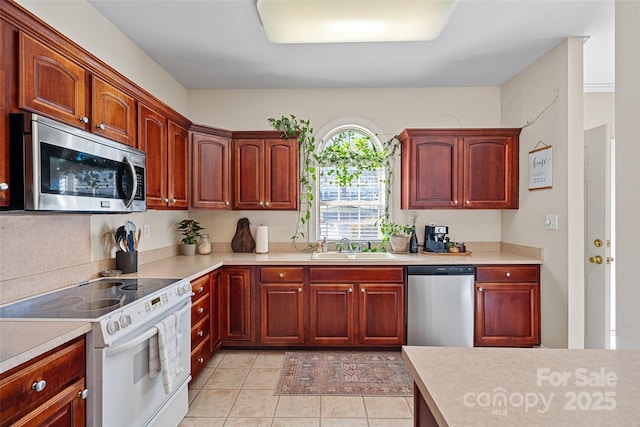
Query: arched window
x=349, y=207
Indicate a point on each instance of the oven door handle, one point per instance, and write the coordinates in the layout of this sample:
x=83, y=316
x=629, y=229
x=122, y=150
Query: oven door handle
x=112, y=351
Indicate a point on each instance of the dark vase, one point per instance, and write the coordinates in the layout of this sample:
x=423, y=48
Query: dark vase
x=413, y=242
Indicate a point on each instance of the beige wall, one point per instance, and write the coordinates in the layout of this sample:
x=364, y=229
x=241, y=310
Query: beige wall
x=599, y=109
x=627, y=173
x=523, y=98
x=83, y=24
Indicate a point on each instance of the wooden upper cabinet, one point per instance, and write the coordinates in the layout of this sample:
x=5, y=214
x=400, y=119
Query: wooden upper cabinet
x=113, y=112
x=265, y=173
x=211, y=171
x=460, y=168
x=152, y=139
x=51, y=84
x=178, y=166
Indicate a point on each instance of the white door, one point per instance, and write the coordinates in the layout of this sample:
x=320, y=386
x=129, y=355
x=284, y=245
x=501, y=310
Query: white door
x=598, y=250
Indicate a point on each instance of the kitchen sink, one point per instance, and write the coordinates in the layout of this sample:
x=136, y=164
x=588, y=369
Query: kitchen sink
x=356, y=256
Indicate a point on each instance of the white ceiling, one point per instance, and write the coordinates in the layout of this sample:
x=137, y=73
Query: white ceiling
x=220, y=44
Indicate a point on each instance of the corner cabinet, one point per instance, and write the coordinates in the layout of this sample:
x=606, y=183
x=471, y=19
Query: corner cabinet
x=460, y=168
x=265, y=171
x=507, y=306
x=211, y=171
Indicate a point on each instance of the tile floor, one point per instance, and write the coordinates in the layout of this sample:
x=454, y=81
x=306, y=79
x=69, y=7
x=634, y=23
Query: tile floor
x=236, y=389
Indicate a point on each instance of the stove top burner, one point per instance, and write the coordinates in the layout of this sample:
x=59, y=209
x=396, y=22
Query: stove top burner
x=89, y=300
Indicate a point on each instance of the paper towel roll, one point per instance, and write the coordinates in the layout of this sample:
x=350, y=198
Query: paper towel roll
x=262, y=239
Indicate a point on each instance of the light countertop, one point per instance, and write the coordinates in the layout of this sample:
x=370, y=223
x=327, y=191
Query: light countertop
x=532, y=387
x=24, y=340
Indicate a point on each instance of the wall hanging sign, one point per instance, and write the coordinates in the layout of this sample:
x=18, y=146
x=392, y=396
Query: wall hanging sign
x=540, y=167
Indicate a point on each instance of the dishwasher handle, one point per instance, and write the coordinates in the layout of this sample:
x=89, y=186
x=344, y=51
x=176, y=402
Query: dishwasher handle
x=441, y=270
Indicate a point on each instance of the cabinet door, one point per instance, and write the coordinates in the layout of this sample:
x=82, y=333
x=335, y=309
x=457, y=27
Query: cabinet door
x=248, y=174
x=66, y=408
x=235, y=304
x=51, y=83
x=430, y=176
x=152, y=139
x=331, y=309
x=281, y=313
x=490, y=178
x=178, y=164
x=381, y=319
x=281, y=174
x=113, y=112
x=4, y=121
x=211, y=170
x=214, y=316
x=507, y=314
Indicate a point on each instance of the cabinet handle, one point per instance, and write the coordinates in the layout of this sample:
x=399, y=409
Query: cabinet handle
x=84, y=394
x=299, y=289
x=166, y=200
x=101, y=126
x=281, y=275
x=84, y=119
x=350, y=289
x=479, y=289
x=4, y=186
x=507, y=274
x=39, y=385
x=200, y=360
x=200, y=333
x=200, y=310
x=201, y=289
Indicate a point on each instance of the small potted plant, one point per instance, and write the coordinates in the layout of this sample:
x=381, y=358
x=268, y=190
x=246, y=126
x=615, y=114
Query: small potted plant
x=396, y=234
x=190, y=229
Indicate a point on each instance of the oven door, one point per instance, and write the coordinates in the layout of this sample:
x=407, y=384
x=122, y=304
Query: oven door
x=124, y=394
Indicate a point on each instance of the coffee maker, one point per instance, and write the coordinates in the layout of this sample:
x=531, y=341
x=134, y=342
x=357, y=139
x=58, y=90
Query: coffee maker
x=435, y=238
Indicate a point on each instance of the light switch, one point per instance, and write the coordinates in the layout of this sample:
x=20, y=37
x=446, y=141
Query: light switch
x=551, y=222
x=146, y=231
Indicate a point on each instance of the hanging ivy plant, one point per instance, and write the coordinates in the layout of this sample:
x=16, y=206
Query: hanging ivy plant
x=344, y=159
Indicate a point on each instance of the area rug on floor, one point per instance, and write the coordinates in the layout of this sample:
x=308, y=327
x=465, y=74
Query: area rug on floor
x=354, y=373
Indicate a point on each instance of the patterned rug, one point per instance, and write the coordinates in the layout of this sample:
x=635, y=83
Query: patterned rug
x=345, y=373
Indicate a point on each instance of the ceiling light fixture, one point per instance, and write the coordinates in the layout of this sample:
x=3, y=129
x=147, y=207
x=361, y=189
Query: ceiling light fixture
x=340, y=21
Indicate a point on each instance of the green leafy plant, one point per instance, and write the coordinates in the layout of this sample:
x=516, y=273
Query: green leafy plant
x=190, y=229
x=343, y=160
x=390, y=229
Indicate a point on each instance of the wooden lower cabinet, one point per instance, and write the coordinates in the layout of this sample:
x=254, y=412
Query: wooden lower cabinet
x=60, y=402
x=214, y=326
x=381, y=314
x=507, y=306
x=331, y=311
x=200, y=324
x=235, y=304
x=281, y=292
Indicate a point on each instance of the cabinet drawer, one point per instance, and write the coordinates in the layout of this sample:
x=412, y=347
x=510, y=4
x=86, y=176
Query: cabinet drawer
x=200, y=286
x=357, y=275
x=200, y=357
x=200, y=309
x=281, y=274
x=58, y=369
x=508, y=273
x=200, y=331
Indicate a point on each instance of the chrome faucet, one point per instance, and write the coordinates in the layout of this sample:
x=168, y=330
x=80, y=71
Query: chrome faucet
x=341, y=247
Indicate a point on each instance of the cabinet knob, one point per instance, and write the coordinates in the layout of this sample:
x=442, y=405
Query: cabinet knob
x=84, y=394
x=173, y=200
x=350, y=290
x=281, y=275
x=267, y=204
x=200, y=360
x=200, y=333
x=201, y=289
x=479, y=289
x=507, y=274
x=261, y=203
x=84, y=119
x=193, y=294
x=166, y=200
x=226, y=203
x=4, y=186
x=39, y=385
x=101, y=126
x=466, y=202
x=200, y=310
x=455, y=202
x=299, y=289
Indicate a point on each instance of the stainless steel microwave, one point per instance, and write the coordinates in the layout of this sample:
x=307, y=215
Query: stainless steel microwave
x=56, y=167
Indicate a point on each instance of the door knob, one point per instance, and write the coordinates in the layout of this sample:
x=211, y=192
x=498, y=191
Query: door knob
x=597, y=243
x=596, y=259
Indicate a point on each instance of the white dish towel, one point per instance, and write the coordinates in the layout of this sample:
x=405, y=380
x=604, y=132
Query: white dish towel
x=165, y=351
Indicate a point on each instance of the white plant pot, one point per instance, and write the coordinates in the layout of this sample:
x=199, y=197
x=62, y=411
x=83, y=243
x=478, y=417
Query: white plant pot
x=399, y=243
x=188, y=249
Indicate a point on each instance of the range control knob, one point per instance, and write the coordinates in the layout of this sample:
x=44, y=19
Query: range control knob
x=183, y=289
x=125, y=320
x=113, y=327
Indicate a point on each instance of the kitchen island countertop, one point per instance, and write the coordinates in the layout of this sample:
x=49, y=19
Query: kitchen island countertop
x=525, y=387
x=24, y=340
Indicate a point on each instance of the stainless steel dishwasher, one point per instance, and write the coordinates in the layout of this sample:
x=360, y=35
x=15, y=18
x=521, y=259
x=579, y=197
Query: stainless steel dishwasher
x=440, y=305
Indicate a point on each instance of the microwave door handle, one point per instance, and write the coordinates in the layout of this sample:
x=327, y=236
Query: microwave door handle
x=135, y=180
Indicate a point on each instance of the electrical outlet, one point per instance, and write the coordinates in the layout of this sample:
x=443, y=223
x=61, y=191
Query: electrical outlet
x=551, y=222
x=146, y=231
